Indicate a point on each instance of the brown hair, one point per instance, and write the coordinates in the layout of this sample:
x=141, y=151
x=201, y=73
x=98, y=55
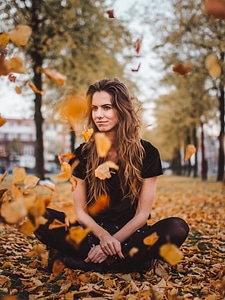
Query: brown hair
x=130, y=151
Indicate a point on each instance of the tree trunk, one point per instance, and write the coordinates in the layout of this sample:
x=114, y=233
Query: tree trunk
x=221, y=158
x=72, y=140
x=195, y=141
x=38, y=119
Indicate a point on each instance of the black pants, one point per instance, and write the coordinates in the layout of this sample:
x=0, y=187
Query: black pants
x=170, y=230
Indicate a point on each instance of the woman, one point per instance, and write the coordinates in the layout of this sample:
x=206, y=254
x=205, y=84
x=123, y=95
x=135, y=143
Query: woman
x=115, y=242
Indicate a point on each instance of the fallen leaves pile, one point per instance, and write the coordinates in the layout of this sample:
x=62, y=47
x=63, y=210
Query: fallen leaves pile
x=199, y=275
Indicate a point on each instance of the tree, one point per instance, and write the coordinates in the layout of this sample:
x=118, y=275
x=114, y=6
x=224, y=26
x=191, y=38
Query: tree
x=188, y=34
x=75, y=37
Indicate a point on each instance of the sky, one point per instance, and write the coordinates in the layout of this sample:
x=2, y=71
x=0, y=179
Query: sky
x=13, y=105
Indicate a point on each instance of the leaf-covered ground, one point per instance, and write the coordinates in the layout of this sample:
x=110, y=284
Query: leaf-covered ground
x=200, y=275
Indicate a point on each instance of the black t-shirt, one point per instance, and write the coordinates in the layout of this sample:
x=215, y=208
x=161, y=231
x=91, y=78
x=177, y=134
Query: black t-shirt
x=121, y=211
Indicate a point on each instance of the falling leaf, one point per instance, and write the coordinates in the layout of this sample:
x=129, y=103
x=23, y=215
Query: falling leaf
x=30, y=182
x=138, y=45
x=216, y=8
x=67, y=156
x=100, y=204
x=136, y=70
x=20, y=35
x=151, y=239
x=16, y=65
x=2, y=121
x=4, y=67
x=66, y=171
x=171, y=253
x=110, y=13
x=73, y=182
x=133, y=251
x=76, y=235
x=4, y=40
x=72, y=108
x=4, y=176
x=56, y=224
x=190, y=150
x=103, y=171
x=182, y=69
x=103, y=144
x=13, y=211
x=19, y=174
x=34, y=88
x=212, y=65
x=55, y=76
x=87, y=134
x=18, y=90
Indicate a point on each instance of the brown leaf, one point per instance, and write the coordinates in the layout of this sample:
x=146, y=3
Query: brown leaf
x=138, y=68
x=110, y=13
x=216, y=8
x=16, y=65
x=34, y=88
x=76, y=235
x=138, y=45
x=20, y=35
x=4, y=40
x=182, y=69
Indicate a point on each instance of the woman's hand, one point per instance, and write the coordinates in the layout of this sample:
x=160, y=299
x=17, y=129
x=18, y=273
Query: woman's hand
x=96, y=255
x=111, y=246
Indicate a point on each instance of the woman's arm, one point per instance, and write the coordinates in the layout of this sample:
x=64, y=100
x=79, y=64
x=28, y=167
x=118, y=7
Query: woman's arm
x=145, y=203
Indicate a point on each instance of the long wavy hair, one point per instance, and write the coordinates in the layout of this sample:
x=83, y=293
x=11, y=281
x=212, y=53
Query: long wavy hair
x=130, y=151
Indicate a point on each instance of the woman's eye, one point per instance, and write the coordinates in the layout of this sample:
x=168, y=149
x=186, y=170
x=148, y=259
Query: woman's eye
x=107, y=107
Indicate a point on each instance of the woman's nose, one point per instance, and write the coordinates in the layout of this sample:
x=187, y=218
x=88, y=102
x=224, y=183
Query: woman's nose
x=99, y=113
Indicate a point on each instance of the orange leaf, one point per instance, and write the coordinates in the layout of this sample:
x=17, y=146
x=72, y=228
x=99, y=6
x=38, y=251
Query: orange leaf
x=151, y=239
x=76, y=235
x=182, y=69
x=34, y=88
x=18, y=90
x=66, y=171
x=133, y=251
x=57, y=268
x=20, y=35
x=2, y=121
x=56, y=224
x=55, y=76
x=30, y=182
x=138, y=45
x=87, y=134
x=171, y=254
x=101, y=203
x=103, y=144
x=190, y=150
x=4, y=40
x=13, y=211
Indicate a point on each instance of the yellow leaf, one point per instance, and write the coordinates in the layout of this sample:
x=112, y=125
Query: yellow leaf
x=133, y=251
x=66, y=171
x=151, y=239
x=103, y=144
x=171, y=253
x=19, y=175
x=13, y=211
x=20, y=35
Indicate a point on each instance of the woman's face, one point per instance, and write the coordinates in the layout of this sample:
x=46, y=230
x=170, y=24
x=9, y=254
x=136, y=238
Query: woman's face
x=104, y=115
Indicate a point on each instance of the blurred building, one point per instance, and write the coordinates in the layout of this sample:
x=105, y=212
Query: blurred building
x=17, y=144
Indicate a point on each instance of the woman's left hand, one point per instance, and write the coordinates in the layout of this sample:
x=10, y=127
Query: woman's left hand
x=96, y=255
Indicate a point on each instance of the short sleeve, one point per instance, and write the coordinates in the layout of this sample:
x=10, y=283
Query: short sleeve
x=152, y=163
x=80, y=169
